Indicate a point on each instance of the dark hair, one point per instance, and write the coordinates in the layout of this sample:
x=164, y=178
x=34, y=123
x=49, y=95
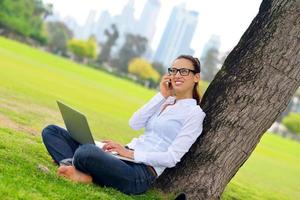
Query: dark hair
x=197, y=67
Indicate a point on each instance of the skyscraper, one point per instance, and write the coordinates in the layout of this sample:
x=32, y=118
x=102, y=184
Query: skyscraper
x=126, y=23
x=177, y=35
x=213, y=42
x=146, y=24
x=88, y=28
x=104, y=22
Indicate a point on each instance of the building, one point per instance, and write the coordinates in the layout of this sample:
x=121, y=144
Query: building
x=213, y=42
x=147, y=21
x=104, y=22
x=177, y=35
x=126, y=23
x=89, y=28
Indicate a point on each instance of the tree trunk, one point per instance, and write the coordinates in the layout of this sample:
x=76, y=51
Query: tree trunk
x=254, y=85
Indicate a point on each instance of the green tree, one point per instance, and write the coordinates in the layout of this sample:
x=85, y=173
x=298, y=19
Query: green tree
x=83, y=50
x=292, y=122
x=209, y=64
x=112, y=37
x=159, y=68
x=134, y=46
x=143, y=69
x=91, y=48
x=58, y=35
x=23, y=17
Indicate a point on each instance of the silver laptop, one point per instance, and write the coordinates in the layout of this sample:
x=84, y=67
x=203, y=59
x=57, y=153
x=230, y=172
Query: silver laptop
x=77, y=125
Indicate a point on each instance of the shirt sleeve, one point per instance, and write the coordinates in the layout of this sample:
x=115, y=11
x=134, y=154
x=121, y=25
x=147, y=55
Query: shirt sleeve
x=190, y=131
x=133, y=142
x=139, y=119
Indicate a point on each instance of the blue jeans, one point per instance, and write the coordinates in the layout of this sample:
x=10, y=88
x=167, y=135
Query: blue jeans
x=105, y=169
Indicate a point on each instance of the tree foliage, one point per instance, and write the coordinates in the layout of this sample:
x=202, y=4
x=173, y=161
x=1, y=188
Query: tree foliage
x=143, y=69
x=112, y=37
x=24, y=17
x=58, y=35
x=82, y=49
x=134, y=46
x=159, y=68
x=292, y=122
x=209, y=64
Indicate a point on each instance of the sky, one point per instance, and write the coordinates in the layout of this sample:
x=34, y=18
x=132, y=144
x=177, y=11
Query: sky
x=228, y=19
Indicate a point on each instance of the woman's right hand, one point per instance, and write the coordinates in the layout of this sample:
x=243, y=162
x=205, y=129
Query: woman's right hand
x=165, y=85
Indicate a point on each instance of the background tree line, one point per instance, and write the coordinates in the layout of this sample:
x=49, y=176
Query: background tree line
x=24, y=20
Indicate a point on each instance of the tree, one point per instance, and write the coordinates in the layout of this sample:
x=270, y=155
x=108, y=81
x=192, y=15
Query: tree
x=209, y=64
x=83, y=50
x=291, y=122
x=91, y=48
x=253, y=87
x=134, y=46
x=143, y=69
x=159, y=68
x=110, y=42
x=23, y=17
x=58, y=34
x=78, y=49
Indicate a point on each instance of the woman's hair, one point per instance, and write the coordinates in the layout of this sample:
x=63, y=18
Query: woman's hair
x=197, y=68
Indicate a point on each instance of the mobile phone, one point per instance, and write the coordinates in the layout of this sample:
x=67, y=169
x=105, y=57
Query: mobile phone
x=169, y=85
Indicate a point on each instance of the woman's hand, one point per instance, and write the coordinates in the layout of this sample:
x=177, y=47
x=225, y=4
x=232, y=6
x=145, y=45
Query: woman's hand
x=165, y=85
x=120, y=149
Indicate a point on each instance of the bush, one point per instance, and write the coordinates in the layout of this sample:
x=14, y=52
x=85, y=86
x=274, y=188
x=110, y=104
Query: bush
x=292, y=122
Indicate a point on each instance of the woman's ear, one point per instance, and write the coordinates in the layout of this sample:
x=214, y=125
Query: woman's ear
x=197, y=77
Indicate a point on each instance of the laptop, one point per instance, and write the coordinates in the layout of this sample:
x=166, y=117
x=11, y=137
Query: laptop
x=77, y=125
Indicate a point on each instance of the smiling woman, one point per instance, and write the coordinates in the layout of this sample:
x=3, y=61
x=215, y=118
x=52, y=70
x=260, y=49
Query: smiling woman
x=172, y=120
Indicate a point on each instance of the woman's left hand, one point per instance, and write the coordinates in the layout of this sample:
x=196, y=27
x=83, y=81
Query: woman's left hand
x=120, y=149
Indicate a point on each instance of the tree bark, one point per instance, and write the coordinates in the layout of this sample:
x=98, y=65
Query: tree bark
x=254, y=85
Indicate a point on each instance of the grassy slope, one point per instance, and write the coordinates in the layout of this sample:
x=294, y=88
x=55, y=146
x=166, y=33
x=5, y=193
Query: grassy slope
x=31, y=81
x=271, y=172
x=36, y=79
x=21, y=178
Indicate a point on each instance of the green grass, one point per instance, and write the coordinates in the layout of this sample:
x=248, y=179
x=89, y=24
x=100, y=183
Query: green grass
x=30, y=83
x=21, y=178
x=271, y=172
x=37, y=80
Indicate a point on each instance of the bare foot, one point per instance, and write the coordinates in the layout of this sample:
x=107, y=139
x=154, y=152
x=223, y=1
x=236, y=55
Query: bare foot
x=71, y=173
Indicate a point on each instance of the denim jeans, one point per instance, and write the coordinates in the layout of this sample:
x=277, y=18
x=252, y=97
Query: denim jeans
x=105, y=169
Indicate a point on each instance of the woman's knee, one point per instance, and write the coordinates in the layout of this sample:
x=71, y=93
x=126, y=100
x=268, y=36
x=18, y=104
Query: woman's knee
x=85, y=153
x=49, y=131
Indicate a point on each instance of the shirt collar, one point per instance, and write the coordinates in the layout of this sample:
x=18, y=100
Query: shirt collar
x=188, y=101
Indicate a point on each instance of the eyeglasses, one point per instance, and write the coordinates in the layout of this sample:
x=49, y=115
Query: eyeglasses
x=182, y=71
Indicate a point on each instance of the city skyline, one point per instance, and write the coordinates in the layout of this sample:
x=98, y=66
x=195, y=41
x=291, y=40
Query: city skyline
x=229, y=19
x=177, y=35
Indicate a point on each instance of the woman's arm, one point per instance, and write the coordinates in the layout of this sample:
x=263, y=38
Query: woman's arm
x=142, y=115
x=181, y=144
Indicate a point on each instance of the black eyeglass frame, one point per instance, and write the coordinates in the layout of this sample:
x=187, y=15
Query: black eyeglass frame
x=181, y=71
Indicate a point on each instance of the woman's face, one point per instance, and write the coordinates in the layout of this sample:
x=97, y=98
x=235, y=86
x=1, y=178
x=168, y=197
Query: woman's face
x=183, y=83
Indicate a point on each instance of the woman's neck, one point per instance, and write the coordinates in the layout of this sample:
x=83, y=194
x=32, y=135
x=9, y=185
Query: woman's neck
x=187, y=95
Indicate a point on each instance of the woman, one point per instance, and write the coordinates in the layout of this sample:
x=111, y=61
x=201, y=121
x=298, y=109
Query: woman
x=172, y=124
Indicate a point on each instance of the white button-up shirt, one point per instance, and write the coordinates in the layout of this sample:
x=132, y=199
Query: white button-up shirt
x=168, y=135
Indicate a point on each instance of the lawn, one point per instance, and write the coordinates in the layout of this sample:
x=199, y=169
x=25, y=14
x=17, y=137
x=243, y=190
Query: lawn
x=30, y=83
